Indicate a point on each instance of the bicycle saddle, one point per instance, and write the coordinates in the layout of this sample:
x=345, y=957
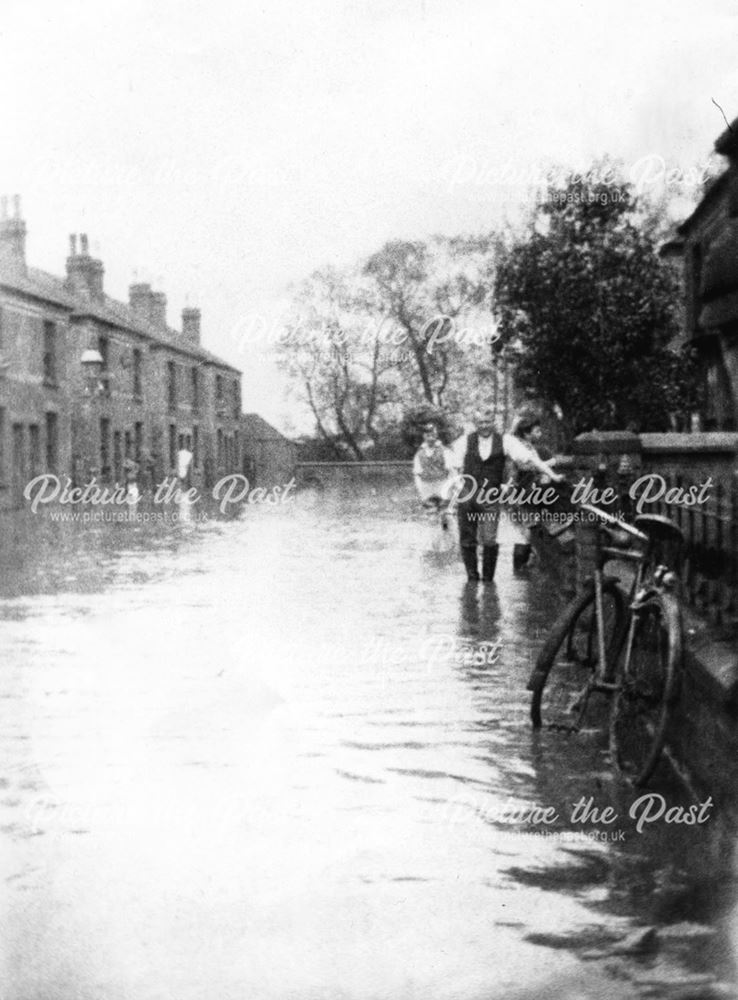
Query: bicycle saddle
x=619, y=539
x=659, y=528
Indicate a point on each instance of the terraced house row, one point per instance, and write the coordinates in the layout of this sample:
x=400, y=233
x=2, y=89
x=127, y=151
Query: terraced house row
x=88, y=382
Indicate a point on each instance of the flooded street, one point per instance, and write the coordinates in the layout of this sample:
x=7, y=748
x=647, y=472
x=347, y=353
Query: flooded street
x=289, y=756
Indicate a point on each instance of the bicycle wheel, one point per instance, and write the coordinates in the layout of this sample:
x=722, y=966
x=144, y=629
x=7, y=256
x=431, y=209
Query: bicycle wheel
x=648, y=688
x=569, y=658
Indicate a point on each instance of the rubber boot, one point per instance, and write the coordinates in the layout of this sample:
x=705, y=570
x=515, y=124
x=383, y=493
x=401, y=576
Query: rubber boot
x=489, y=562
x=469, y=555
x=521, y=555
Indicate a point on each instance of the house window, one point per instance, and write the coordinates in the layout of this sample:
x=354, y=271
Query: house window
x=219, y=391
x=34, y=450
x=49, y=353
x=172, y=446
x=172, y=384
x=137, y=368
x=138, y=433
x=103, y=346
x=19, y=459
x=195, y=389
x=236, y=401
x=52, y=442
x=117, y=457
x=195, y=445
x=105, y=446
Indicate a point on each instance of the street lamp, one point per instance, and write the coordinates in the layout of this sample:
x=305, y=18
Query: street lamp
x=92, y=365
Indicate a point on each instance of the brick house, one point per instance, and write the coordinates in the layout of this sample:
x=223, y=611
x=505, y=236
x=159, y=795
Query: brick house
x=269, y=458
x=706, y=252
x=155, y=390
x=35, y=400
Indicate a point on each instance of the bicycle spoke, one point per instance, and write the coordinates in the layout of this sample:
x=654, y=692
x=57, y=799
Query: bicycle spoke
x=568, y=671
x=642, y=706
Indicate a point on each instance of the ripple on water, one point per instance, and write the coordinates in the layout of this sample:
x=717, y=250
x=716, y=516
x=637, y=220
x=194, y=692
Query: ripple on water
x=227, y=769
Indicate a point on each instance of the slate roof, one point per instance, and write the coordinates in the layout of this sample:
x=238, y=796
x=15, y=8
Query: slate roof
x=40, y=285
x=258, y=429
x=49, y=288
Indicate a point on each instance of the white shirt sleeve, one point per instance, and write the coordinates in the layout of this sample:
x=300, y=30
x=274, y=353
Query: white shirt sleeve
x=525, y=457
x=456, y=451
x=515, y=450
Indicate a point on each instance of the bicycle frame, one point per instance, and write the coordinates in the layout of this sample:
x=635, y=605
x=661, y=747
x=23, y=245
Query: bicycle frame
x=604, y=676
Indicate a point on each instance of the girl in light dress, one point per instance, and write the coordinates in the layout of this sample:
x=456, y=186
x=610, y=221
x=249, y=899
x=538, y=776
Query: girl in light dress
x=434, y=473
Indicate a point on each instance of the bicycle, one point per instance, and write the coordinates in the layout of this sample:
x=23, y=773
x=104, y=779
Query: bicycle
x=628, y=648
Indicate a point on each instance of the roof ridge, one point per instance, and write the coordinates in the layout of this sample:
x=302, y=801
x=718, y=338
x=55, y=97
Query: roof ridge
x=53, y=288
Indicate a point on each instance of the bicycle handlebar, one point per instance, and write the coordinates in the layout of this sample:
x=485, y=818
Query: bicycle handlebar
x=613, y=522
x=608, y=520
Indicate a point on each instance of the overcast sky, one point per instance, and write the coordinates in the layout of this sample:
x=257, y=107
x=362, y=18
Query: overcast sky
x=223, y=150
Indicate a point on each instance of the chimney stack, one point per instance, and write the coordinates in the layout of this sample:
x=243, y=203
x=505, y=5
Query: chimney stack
x=139, y=299
x=191, y=325
x=159, y=309
x=12, y=239
x=84, y=273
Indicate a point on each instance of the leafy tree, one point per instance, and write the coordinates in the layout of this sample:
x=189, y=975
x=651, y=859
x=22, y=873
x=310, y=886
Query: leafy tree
x=411, y=326
x=338, y=360
x=435, y=295
x=587, y=305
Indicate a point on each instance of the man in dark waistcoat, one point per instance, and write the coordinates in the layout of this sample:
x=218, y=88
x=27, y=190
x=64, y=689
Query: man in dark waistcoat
x=481, y=456
x=484, y=462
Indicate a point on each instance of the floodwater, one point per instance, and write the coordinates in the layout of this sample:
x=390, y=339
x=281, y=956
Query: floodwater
x=287, y=755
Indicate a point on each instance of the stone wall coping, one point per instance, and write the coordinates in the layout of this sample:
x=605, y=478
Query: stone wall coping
x=609, y=442
x=606, y=442
x=396, y=462
x=707, y=442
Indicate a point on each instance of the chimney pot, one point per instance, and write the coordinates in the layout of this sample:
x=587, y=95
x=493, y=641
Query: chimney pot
x=16, y=206
x=84, y=273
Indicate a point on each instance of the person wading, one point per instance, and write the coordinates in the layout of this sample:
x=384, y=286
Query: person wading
x=481, y=456
x=433, y=471
x=527, y=430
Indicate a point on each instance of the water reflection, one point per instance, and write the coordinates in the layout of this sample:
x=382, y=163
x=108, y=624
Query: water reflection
x=282, y=756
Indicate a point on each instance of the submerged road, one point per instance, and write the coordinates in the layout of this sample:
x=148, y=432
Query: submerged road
x=288, y=756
